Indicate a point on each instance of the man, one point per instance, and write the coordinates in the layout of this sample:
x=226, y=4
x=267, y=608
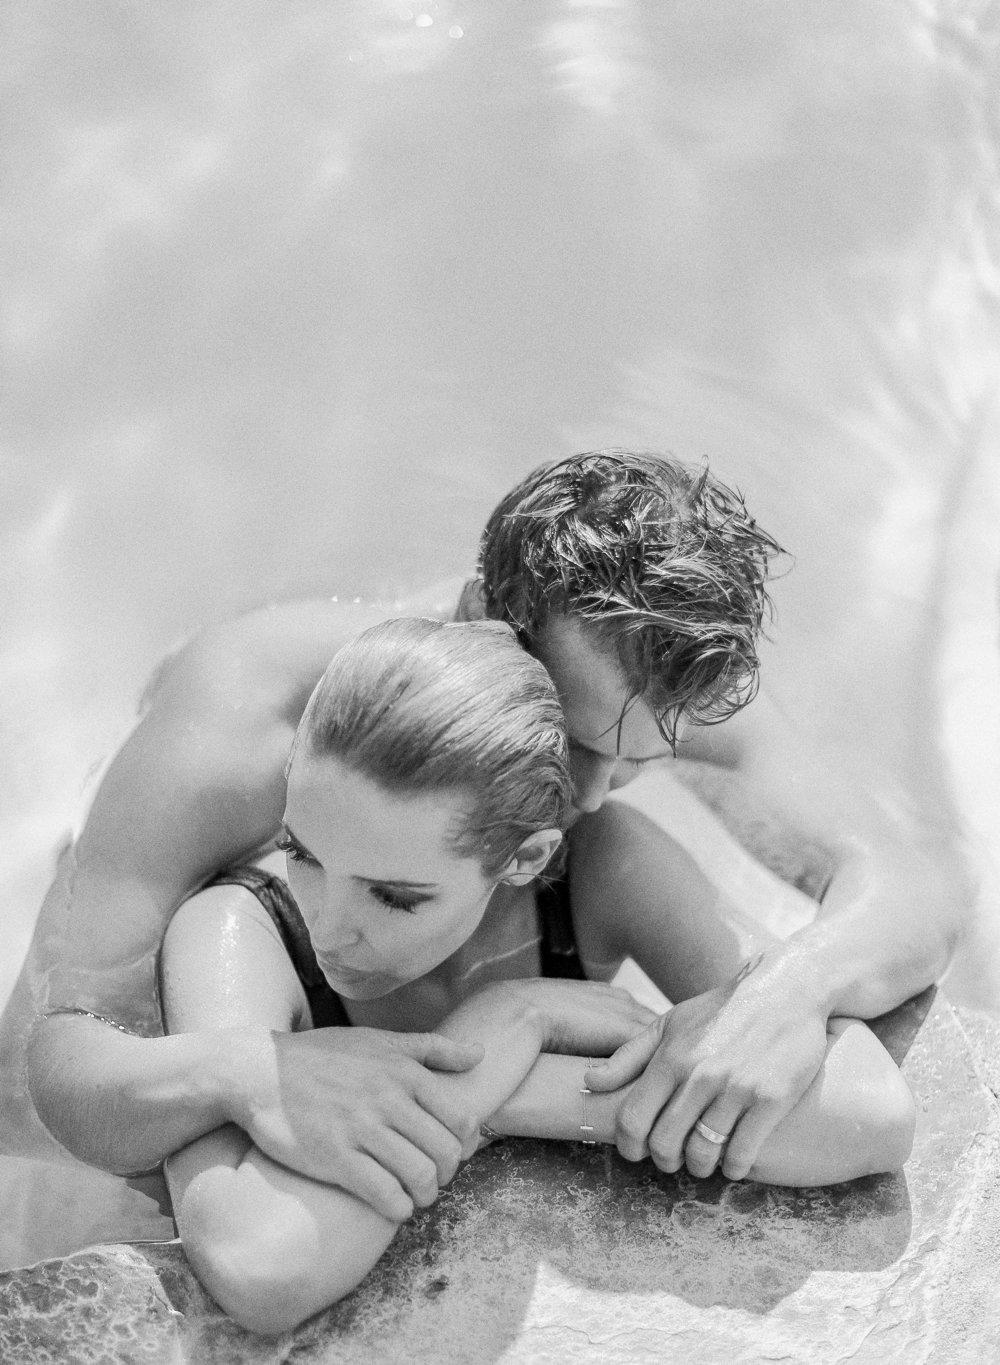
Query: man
x=641, y=586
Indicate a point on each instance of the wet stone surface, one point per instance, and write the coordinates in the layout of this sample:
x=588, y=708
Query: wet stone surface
x=548, y=1252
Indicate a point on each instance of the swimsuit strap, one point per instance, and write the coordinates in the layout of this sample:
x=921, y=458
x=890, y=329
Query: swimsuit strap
x=273, y=894
x=559, y=954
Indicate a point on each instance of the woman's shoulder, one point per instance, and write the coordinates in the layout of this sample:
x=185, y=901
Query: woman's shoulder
x=226, y=924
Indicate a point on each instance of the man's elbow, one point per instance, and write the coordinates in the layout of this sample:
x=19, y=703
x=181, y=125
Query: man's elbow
x=50, y=1090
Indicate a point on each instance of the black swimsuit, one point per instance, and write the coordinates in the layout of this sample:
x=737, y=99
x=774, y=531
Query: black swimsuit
x=558, y=951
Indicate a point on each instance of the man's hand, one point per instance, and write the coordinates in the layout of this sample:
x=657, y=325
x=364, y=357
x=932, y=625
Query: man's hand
x=737, y=1058
x=584, y=1017
x=358, y=1108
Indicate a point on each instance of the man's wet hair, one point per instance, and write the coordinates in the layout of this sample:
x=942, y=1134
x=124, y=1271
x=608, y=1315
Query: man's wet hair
x=659, y=562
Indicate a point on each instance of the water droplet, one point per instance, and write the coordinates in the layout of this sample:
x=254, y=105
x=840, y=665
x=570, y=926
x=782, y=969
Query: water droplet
x=423, y=21
x=456, y=32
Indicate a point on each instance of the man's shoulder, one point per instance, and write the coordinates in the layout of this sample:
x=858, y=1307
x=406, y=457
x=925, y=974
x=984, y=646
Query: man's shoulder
x=266, y=661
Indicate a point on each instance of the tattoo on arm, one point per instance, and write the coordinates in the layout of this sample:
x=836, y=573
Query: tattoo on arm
x=751, y=965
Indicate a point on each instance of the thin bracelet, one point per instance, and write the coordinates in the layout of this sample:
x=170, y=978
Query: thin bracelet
x=586, y=1127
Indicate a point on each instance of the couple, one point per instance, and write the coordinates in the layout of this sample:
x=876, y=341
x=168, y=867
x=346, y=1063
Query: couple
x=428, y=787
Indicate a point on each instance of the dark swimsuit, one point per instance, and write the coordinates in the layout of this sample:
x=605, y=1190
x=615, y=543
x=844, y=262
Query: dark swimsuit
x=558, y=951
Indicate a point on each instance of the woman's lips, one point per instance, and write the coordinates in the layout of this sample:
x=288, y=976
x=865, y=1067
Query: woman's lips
x=336, y=968
x=350, y=976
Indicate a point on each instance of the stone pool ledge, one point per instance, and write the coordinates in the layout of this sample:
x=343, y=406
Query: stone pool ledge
x=550, y=1253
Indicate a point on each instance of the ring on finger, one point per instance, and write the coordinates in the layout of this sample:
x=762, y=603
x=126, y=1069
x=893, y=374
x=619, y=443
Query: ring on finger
x=710, y=1135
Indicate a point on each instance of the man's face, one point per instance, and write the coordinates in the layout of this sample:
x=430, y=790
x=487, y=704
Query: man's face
x=593, y=693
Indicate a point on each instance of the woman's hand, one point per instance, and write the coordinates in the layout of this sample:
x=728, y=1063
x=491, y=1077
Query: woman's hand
x=582, y=1018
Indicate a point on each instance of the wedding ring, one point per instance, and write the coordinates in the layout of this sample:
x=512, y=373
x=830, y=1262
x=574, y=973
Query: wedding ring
x=710, y=1135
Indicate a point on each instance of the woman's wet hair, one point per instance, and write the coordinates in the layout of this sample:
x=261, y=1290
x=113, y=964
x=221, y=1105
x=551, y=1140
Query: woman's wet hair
x=660, y=563
x=429, y=706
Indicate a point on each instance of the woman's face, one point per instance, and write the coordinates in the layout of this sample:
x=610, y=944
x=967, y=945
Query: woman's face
x=382, y=891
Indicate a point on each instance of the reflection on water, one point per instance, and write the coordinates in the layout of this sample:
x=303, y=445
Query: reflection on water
x=300, y=291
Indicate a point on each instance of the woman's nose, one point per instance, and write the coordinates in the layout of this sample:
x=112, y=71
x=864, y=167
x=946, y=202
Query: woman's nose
x=337, y=932
x=592, y=776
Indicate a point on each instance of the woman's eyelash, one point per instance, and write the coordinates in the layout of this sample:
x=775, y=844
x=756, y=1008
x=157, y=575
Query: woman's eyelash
x=295, y=851
x=394, y=900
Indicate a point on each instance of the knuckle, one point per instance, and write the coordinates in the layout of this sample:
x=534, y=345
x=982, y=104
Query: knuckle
x=710, y=1072
x=661, y=1150
x=740, y=1092
x=450, y=1153
x=767, y=1094
x=700, y=1166
x=630, y=1125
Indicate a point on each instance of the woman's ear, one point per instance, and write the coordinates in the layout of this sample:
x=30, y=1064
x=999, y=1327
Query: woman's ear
x=531, y=857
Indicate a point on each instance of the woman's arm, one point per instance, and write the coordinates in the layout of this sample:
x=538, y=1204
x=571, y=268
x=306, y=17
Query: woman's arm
x=855, y=1119
x=272, y=1246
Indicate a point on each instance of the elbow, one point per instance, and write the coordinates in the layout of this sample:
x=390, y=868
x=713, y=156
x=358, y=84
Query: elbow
x=254, y=1281
x=891, y=1126
x=63, y=1093
x=882, y=1133
x=263, y=1270
x=46, y=1082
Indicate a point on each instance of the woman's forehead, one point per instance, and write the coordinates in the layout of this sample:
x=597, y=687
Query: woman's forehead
x=343, y=810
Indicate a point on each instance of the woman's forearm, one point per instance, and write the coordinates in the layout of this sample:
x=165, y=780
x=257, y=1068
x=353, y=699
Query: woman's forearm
x=274, y=1247
x=271, y=1247
x=125, y=1103
x=855, y=1119
x=549, y=1103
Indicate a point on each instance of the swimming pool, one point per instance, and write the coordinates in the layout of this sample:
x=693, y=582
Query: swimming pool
x=298, y=296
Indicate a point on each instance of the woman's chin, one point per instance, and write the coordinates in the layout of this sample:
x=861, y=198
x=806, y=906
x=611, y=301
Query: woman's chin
x=361, y=986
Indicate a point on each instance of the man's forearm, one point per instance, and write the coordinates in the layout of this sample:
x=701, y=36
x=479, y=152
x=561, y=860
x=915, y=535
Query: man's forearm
x=886, y=930
x=125, y=1103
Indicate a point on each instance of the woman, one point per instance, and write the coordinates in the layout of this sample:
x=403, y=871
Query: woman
x=426, y=792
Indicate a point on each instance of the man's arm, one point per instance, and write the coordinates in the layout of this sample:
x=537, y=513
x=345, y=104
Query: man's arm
x=895, y=887
x=740, y=1049
x=198, y=783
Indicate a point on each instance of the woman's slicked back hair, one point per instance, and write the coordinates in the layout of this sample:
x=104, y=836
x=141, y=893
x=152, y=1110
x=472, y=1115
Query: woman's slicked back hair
x=428, y=706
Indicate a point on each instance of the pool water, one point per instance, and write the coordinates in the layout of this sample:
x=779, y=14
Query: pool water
x=295, y=294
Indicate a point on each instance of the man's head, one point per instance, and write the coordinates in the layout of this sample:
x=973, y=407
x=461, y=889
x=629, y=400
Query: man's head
x=640, y=583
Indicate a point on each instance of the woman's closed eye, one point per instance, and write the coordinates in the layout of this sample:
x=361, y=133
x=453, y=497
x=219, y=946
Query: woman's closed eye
x=395, y=898
x=294, y=850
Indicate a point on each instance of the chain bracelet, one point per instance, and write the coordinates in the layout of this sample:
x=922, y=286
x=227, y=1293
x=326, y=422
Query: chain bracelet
x=585, y=1127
